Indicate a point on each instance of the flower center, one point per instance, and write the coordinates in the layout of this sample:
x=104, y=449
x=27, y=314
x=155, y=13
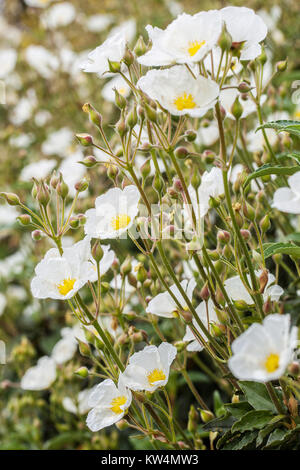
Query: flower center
x=65, y=286
x=272, y=362
x=155, y=376
x=120, y=221
x=297, y=114
x=117, y=403
x=194, y=47
x=185, y=101
x=122, y=90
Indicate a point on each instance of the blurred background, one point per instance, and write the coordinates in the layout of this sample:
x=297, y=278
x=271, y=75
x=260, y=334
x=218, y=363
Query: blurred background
x=42, y=91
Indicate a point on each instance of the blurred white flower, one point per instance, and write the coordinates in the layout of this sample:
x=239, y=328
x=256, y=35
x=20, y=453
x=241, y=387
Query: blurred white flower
x=112, y=49
x=42, y=117
x=42, y=60
x=126, y=29
x=60, y=14
x=149, y=369
x=246, y=29
x=38, y=170
x=207, y=135
x=211, y=186
x=41, y=376
x=98, y=23
x=187, y=39
x=82, y=406
x=8, y=59
x=287, y=199
x=24, y=108
x=58, y=142
x=114, y=213
x=2, y=303
x=179, y=92
x=72, y=172
x=237, y=291
x=117, y=83
x=109, y=403
x=263, y=352
x=38, y=3
x=163, y=304
x=21, y=140
x=207, y=315
x=65, y=348
x=8, y=215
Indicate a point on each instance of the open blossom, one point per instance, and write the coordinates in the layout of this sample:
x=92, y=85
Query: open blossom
x=58, y=142
x=65, y=348
x=149, y=369
x=287, y=199
x=263, y=352
x=60, y=14
x=163, y=305
x=112, y=49
x=109, y=403
x=60, y=277
x=116, y=83
x=179, y=92
x=207, y=314
x=114, y=213
x=237, y=291
x=211, y=186
x=187, y=39
x=41, y=376
x=8, y=59
x=38, y=170
x=38, y=3
x=42, y=60
x=81, y=405
x=246, y=28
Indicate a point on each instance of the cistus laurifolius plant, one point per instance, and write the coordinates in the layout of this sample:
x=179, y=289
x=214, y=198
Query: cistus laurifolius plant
x=183, y=273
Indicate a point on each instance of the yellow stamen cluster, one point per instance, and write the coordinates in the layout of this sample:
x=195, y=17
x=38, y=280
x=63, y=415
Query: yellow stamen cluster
x=120, y=221
x=272, y=363
x=155, y=376
x=194, y=47
x=117, y=403
x=185, y=101
x=65, y=286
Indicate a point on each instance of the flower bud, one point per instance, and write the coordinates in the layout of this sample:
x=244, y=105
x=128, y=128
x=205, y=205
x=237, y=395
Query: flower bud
x=140, y=47
x=158, y=183
x=81, y=218
x=192, y=419
x=24, y=219
x=121, y=127
x=225, y=40
x=294, y=368
x=281, y=66
x=11, y=198
x=84, y=348
x=141, y=274
x=146, y=169
x=86, y=140
x=113, y=66
x=263, y=280
x=54, y=180
x=82, y=372
x=209, y=156
x=191, y=135
x=128, y=58
x=150, y=113
x=206, y=416
x=97, y=251
x=74, y=222
x=112, y=172
x=187, y=316
x=204, y=293
x=223, y=236
x=265, y=224
x=126, y=267
x=62, y=189
x=181, y=153
x=248, y=211
x=94, y=116
x=120, y=100
x=43, y=195
x=36, y=235
x=263, y=56
x=237, y=108
x=81, y=185
x=122, y=424
x=245, y=234
x=244, y=87
x=89, y=161
x=132, y=118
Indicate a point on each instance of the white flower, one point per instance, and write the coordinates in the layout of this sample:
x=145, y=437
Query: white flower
x=21, y=141
x=42, y=117
x=60, y=277
x=109, y=404
x=82, y=406
x=72, y=172
x=287, y=199
x=59, y=15
x=179, y=92
x=38, y=170
x=237, y=291
x=42, y=60
x=187, y=39
x=126, y=28
x=207, y=315
x=8, y=59
x=207, y=135
x=58, y=142
x=117, y=83
x=66, y=347
x=211, y=186
x=246, y=28
x=24, y=108
x=2, y=303
x=235, y=66
x=149, y=369
x=112, y=49
x=8, y=215
x=263, y=352
x=41, y=376
x=98, y=23
x=114, y=213
x=163, y=305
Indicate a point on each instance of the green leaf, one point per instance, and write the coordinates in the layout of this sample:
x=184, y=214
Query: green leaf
x=241, y=442
x=257, y=395
x=292, y=127
x=218, y=404
x=284, y=156
x=282, y=436
x=274, y=423
x=219, y=424
x=238, y=409
x=268, y=169
x=294, y=237
x=271, y=249
x=256, y=419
